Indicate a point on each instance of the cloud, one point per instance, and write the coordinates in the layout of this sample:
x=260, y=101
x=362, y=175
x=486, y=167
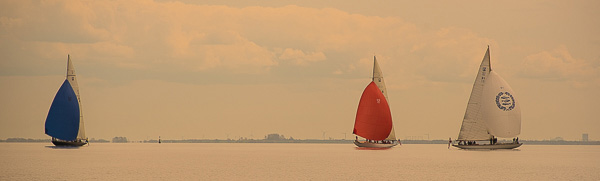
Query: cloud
x=559, y=65
x=450, y=54
x=149, y=35
x=55, y=21
x=298, y=57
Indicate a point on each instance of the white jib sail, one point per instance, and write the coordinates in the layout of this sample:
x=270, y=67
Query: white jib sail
x=73, y=81
x=378, y=79
x=473, y=125
x=502, y=110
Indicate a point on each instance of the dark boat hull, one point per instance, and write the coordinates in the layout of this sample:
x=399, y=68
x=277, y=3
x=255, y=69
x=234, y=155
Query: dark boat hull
x=490, y=147
x=68, y=143
x=375, y=145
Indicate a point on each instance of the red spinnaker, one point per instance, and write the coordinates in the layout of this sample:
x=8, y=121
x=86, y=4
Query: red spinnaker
x=373, y=117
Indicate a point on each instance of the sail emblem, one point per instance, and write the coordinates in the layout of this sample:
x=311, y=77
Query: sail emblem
x=505, y=101
x=483, y=71
x=378, y=101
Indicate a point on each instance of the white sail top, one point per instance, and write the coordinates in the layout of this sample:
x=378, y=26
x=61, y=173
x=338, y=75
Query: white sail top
x=473, y=126
x=378, y=79
x=502, y=111
x=72, y=78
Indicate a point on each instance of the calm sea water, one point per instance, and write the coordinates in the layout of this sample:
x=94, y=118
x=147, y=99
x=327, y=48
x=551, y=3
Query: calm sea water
x=253, y=161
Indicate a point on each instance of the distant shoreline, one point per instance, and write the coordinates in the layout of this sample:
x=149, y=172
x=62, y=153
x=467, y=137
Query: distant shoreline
x=527, y=142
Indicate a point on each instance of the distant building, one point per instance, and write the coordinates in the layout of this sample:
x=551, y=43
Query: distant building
x=584, y=137
x=274, y=136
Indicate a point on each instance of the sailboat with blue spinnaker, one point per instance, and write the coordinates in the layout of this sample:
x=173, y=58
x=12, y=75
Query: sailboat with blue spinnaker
x=64, y=122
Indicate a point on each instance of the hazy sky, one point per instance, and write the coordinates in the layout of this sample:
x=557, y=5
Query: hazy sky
x=212, y=69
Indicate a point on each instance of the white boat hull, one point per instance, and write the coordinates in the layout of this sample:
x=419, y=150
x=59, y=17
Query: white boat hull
x=490, y=147
x=375, y=145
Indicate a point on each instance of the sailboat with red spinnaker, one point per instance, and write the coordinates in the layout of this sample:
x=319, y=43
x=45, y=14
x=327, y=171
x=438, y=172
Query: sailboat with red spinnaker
x=373, y=117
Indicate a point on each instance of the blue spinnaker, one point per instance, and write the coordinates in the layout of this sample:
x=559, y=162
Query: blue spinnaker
x=63, y=118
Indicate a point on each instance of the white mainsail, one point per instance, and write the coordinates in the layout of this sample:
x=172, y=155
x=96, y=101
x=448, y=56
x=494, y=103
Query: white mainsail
x=473, y=127
x=378, y=79
x=72, y=78
x=492, y=109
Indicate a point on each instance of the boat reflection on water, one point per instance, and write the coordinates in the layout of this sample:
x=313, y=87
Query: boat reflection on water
x=63, y=147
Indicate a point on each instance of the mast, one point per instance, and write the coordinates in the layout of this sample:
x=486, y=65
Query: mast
x=487, y=53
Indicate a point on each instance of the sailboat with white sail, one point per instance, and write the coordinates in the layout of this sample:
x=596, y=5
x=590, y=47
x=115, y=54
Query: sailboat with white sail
x=64, y=122
x=373, y=117
x=492, y=112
